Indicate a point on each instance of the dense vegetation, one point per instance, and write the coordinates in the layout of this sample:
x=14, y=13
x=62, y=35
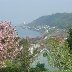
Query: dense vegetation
x=61, y=52
x=69, y=40
x=15, y=55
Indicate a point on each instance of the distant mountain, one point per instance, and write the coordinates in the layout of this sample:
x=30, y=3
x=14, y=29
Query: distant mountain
x=60, y=20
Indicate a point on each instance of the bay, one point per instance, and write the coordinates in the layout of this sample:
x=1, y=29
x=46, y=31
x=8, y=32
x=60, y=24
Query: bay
x=27, y=33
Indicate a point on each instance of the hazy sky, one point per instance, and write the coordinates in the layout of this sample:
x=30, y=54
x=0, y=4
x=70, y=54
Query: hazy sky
x=19, y=11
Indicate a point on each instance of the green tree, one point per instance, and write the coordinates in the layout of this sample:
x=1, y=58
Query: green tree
x=25, y=57
x=69, y=39
x=60, y=56
x=39, y=68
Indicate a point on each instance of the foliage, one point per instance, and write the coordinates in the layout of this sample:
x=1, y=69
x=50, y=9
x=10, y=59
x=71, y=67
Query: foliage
x=9, y=42
x=60, y=56
x=22, y=61
x=15, y=55
x=45, y=54
x=9, y=69
x=69, y=39
x=26, y=57
x=39, y=68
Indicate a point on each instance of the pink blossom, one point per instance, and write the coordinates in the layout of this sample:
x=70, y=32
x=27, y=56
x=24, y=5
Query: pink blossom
x=6, y=26
x=1, y=47
x=9, y=46
x=1, y=34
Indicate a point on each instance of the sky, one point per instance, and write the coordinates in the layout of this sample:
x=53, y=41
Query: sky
x=18, y=11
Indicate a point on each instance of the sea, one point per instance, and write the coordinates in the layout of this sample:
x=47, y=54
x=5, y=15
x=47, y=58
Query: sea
x=27, y=33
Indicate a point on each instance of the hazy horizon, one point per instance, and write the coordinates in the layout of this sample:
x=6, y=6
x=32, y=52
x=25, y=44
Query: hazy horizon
x=18, y=11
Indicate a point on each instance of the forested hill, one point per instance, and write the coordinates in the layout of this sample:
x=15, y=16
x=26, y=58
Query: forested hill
x=60, y=20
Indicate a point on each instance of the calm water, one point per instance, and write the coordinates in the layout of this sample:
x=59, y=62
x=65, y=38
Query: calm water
x=27, y=32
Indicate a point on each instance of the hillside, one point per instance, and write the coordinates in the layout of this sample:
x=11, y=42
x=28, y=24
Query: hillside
x=60, y=20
